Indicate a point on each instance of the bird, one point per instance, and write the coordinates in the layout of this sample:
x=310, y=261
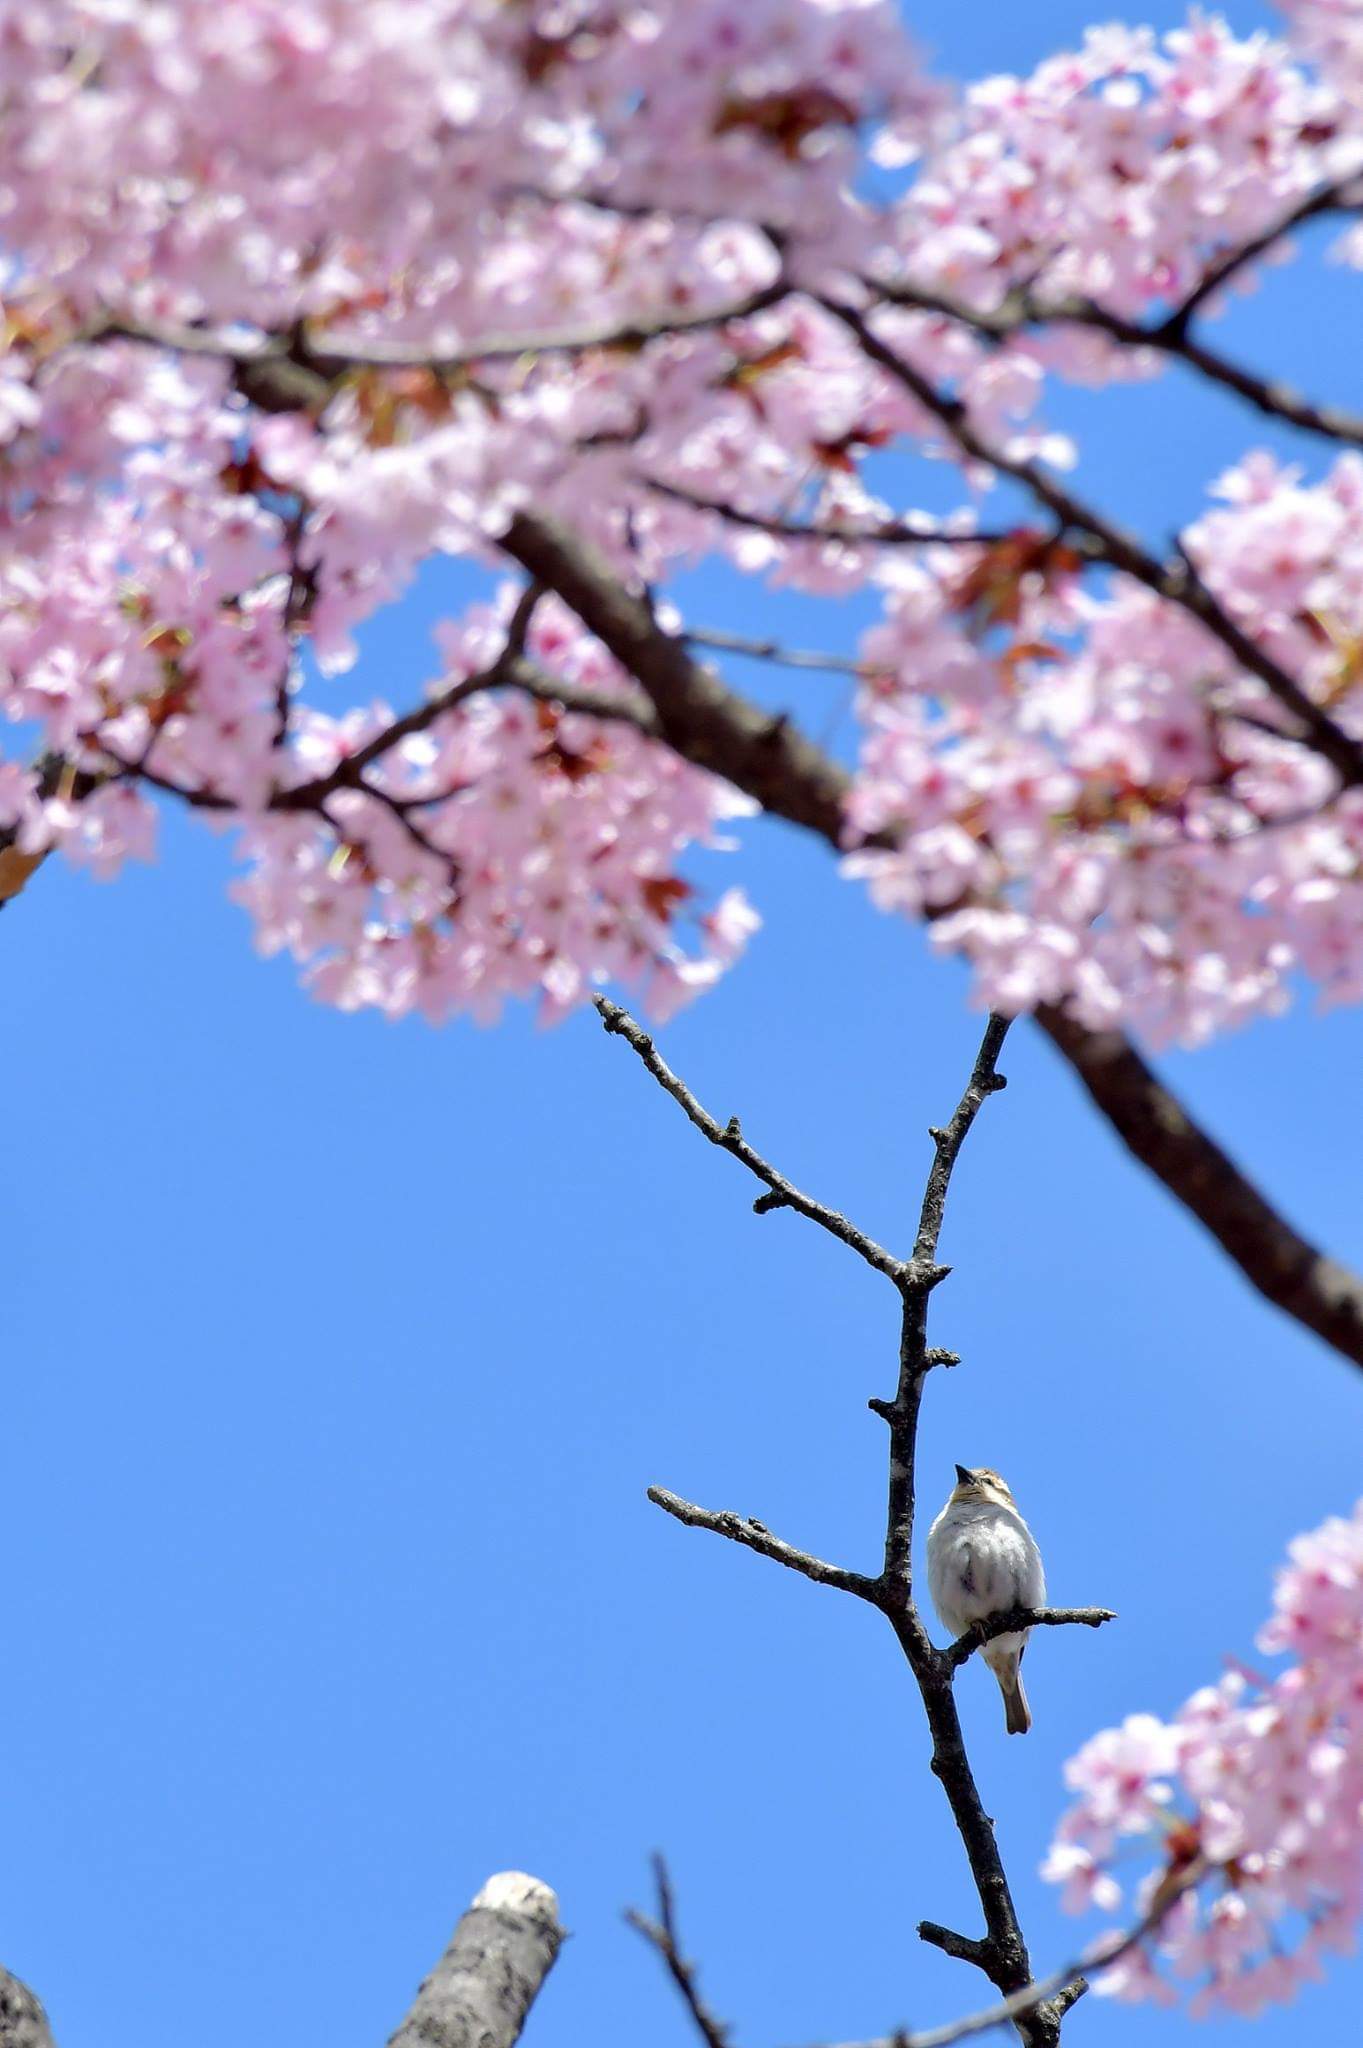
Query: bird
x=982, y=1561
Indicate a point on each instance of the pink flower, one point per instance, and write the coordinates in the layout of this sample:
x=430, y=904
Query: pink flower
x=1254, y=1792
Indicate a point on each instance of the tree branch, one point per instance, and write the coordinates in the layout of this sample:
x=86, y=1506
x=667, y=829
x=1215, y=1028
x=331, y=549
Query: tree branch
x=1019, y=1618
x=791, y=778
x=1002, y=1954
x=782, y=1193
x=1056, y=1992
x=1339, y=196
x=1171, y=336
x=1319, y=1292
x=756, y=1536
x=335, y=357
x=662, y=1933
x=914, y=1359
x=1268, y=395
x=883, y=533
x=1173, y=582
x=774, y=651
x=480, y=1991
x=698, y=716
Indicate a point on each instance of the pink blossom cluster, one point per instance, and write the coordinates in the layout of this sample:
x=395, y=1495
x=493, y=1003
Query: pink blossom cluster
x=1084, y=793
x=1330, y=33
x=1117, y=172
x=429, y=163
x=1248, y=1800
x=509, y=848
x=1092, y=801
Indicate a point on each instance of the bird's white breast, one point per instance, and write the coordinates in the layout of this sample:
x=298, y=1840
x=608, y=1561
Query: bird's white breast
x=982, y=1560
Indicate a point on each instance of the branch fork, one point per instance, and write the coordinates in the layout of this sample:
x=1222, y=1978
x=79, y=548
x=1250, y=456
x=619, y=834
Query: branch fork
x=1001, y=1953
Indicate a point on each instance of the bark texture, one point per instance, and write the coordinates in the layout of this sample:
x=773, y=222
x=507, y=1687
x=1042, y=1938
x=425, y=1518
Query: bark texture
x=480, y=1991
x=23, y=2023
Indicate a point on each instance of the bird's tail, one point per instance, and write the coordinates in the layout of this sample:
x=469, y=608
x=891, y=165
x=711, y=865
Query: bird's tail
x=1017, y=1713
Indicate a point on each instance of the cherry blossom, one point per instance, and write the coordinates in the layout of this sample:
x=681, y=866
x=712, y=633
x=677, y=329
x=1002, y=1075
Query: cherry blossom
x=1247, y=1801
x=693, y=279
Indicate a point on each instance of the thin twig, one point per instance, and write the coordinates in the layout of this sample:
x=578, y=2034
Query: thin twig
x=883, y=533
x=1002, y=1952
x=915, y=1355
x=782, y=1194
x=662, y=1933
x=772, y=650
x=754, y=1535
x=1019, y=1618
x=1059, y=1991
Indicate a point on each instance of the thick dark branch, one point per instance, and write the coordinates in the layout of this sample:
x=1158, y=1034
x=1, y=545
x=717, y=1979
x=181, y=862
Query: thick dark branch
x=1267, y=395
x=662, y=1933
x=1173, y=582
x=23, y=2023
x=1319, y=1292
x=480, y=1991
x=782, y=1194
x=1020, y=1618
x=698, y=716
x=756, y=1536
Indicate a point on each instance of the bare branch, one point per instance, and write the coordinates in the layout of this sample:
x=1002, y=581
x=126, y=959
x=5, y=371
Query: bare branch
x=1003, y=1952
x=499, y=1955
x=756, y=1536
x=1019, y=1618
x=915, y=1356
x=729, y=1137
x=1055, y=1993
x=662, y=1933
x=984, y=1081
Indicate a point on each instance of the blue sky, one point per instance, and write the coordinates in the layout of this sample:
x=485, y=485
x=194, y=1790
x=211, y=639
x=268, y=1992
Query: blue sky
x=338, y=1357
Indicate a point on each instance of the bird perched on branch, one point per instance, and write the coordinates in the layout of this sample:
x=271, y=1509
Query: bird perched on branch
x=983, y=1561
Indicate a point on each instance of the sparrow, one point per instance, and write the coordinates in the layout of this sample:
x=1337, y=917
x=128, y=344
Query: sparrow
x=982, y=1561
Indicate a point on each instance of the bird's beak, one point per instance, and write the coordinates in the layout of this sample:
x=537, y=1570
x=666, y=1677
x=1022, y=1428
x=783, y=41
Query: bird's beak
x=964, y=1476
